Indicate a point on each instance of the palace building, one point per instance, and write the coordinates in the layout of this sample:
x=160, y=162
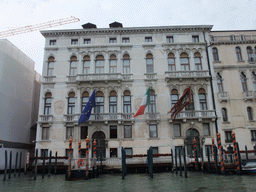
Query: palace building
x=234, y=63
x=120, y=64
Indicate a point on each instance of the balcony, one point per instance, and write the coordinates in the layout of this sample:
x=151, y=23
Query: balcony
x=248, y=95
x=223, y=96
x=170, y=75
x=49, y=79
x=69, y=118
x=45, y=118
x=150, y=77
x=197, y=115
x=152, y=117
x=105, y=77
x=71, y=79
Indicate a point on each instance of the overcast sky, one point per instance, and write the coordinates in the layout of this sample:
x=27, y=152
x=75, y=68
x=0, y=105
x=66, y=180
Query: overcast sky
x=223, y=14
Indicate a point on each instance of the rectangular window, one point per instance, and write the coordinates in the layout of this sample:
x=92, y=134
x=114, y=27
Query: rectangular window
x=50, y=71
x=112, y=104
x=126, y=66
x=69, y=132
x=184, y=64
x=206, y=127
x=112, y=66
x=253, y=132
x=47, y=106
x=150, y=67
x=99, y=66
x=210, y=149
x=113, y=152
x=152, y=131
x=232, y=38
x=152, y=106
x=228, y=138
x=195, y=38
x=83, y=153
x=74, y=41
x=87, y=41
x=99, y=105
x=67, y=153
x=128, y=151
x=52, y=42
x=86, y=67
x=71, y=105
x=113, y=132
x=45, y=133
x=127, y=104
x=73, y=68
x=176, y=130
x=112, y=40
x=171, y=64
x=127, y=131
x=155, y=150
x=44, y=151
x=169, y=39
x=148, y=39
x=125, y=40
x=84, y=132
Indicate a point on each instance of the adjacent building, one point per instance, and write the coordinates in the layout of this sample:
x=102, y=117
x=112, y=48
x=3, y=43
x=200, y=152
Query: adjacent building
x=234, y=63
x=120, y=64
x=19, y=101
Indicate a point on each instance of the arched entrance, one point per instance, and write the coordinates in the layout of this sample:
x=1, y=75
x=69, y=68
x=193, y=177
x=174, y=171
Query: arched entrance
x=190, y=135
x=101, y=143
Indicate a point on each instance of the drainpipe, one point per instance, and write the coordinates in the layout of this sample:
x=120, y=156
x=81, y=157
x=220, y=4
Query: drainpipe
x=210, y=73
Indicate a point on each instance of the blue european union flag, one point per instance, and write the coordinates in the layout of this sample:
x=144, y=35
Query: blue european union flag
x=85, y=116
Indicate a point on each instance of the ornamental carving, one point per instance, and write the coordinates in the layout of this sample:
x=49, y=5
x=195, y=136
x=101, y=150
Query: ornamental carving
x=59, y=107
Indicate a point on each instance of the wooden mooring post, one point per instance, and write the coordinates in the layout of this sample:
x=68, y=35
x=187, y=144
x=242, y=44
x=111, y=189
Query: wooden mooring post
x=172, y=160
x=55, y=167
x=43, y=164
x=180, y=162
x=150, y=161
x=20, y=163
x=5, y=167
x=10, y=165
x=35, y=167
x=202, y=154
x=216, y=159
x=185, y=162
x=50, y=164
x=176, y=166
x=246, y=153
x=209, y=162
x=16, y=163
x=123, y=163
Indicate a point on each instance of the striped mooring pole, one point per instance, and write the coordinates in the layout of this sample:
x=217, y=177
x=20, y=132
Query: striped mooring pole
x=221, y=153
x=87, y=158
x=213, y=149
x=69, y=157
x=79, y=153
x=94, y=157
x=233, y=135
x=195, y=155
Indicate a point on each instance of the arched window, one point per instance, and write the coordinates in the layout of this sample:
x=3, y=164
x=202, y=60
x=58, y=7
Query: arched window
x=99, y=64
x=73, y=66
x=149, y=63
x=152, y=106
x=99, y=102
x=112, y=102
x=202, y=99
x=112, y=64
x=215, y=54
x=249, y=113
x=127, y=101
x=244, y=82
x=86, y=64
x=198, y=61
x=71, y=103
x=47, y=103
x=220, y=83
x=174, y=96
x=171, y=62
x=184, y=62
x=85, y=99
x=254, y=80
x=190, y=107
x=239, y=54
x=224, y=114
x=50, y=67
x=250, y=54
x=126, y=64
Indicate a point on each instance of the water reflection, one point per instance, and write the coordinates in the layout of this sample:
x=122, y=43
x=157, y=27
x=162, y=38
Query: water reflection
x=196, y=182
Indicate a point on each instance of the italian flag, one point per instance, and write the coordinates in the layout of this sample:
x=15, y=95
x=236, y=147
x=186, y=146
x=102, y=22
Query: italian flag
x=144, y=103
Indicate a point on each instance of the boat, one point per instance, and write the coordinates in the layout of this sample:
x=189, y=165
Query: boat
x=249, y=168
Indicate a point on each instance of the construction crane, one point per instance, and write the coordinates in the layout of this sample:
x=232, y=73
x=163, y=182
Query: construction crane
x=30, y=28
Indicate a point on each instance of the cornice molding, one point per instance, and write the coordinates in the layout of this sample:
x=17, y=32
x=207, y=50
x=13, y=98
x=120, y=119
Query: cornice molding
x=164, y=29
x=233, y=42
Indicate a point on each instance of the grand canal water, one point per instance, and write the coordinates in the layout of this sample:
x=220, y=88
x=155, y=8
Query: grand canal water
x=196, y=182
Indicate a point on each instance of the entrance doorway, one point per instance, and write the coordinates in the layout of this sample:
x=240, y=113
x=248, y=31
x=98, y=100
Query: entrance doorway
x=101, y=144
x=190, y=135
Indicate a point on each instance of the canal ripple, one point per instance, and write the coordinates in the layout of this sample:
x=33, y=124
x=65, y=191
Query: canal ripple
x=196, y=182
